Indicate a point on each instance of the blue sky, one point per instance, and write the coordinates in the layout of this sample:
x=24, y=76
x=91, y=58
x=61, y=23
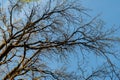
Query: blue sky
x=109, y=10
x=110, y=13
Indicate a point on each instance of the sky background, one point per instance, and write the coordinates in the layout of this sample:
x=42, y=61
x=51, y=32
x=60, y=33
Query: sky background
x=109, y=10
x=110, y=14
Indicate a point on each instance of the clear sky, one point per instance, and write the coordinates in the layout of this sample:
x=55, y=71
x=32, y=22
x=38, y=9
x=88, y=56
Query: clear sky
x=109, y=10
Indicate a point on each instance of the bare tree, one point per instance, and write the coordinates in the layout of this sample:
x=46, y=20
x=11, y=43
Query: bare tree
x=35, y=35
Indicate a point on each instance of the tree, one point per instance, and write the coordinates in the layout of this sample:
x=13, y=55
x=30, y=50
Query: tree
x=35, y=33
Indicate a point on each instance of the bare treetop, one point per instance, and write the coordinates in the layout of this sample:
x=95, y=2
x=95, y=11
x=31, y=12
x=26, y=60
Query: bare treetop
x=34, y=33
